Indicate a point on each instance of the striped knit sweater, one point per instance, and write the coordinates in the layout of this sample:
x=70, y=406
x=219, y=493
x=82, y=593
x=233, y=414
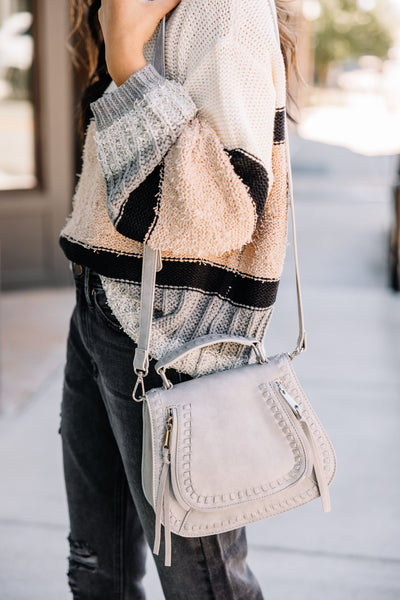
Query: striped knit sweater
x=210, y=192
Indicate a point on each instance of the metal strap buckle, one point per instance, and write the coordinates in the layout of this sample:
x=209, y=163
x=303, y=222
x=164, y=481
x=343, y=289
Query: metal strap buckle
x=260, y=353
x=139, y=382
x=167, y=384
x=300, y=347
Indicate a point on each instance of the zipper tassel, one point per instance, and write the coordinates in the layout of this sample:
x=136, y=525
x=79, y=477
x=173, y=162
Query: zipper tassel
x=319, y=473
x=162, y=506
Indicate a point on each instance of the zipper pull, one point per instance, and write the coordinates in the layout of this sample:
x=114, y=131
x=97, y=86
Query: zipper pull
x=168, y=432
x=292, y=403
x=317, y=464
x=163, y=496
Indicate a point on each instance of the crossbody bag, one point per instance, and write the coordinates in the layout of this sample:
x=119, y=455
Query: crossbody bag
x=231, y=447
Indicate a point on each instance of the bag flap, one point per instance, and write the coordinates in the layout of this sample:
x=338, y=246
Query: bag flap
x=234, y=439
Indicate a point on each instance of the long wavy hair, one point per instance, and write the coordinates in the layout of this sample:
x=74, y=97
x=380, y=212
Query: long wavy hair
x=88, y=52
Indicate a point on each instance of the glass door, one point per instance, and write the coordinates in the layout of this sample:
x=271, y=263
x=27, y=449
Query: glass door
x=18, y=122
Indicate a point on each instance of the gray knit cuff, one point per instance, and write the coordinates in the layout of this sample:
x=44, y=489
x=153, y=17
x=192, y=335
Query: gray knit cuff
x=136, y=124
x=119, y=102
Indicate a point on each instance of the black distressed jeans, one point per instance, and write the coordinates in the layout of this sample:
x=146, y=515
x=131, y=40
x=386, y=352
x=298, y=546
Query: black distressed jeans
x=110, y=520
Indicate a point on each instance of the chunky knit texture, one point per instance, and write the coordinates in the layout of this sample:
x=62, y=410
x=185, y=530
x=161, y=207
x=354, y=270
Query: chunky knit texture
x=192, y=163
x=204, y=206
x=135, y=128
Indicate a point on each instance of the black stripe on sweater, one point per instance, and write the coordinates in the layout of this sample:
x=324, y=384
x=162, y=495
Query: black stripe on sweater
x=279, y=125
x=139, y=210
x=253, y=174
x=233, y=287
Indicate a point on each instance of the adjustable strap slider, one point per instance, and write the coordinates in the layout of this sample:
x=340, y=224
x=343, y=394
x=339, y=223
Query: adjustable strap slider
x=141, y=361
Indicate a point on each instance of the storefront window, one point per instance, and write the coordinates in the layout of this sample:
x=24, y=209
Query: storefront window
x=17, y=110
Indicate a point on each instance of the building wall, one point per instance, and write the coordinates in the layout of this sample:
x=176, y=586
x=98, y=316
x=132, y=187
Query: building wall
x=30, y=219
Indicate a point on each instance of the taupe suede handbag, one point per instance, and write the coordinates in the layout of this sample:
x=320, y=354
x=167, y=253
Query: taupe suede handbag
x=232, y=447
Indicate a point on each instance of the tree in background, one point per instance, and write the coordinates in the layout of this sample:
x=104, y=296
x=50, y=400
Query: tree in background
x=344, y=31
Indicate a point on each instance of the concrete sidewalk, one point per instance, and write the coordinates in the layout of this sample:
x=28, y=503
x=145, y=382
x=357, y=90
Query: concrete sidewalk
x=350, y=372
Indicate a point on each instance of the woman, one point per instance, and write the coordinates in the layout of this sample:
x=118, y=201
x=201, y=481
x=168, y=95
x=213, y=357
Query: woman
x=218, y=214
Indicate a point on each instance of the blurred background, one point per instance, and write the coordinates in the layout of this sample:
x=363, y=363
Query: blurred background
x=345, y=152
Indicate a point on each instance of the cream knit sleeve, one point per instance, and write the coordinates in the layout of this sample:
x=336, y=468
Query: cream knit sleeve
x=196, y=186
x=217, y=176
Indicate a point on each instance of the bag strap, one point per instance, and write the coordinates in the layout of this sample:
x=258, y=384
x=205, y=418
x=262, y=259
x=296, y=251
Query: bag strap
x=152, y=263
x=151, y=259
x=302, y=337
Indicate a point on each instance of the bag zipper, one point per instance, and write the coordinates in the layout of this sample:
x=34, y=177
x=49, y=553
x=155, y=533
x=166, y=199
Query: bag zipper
x=162, y=504
x=286, y=396
x=317, y=463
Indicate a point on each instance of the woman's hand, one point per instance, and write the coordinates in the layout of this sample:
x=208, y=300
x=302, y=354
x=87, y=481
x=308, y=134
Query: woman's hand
x=127, y=25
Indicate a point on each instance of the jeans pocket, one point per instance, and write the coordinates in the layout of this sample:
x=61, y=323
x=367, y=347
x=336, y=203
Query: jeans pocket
x=103, y=309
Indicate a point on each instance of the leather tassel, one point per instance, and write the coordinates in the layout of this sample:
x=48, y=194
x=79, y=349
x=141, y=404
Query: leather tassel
x=319, y=473
x=162, y=510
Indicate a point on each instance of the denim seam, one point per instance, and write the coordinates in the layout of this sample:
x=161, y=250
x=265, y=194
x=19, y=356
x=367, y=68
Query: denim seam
x=86, y=283
x=118, y=557
x=103, y=316
x=202, y=544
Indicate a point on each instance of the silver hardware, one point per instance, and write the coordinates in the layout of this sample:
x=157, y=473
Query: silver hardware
x=140, y=373
x=300, y=347
x=139, y=382
x=167, y=384
x=168, y=432
x=292, y=403
x=259, y=350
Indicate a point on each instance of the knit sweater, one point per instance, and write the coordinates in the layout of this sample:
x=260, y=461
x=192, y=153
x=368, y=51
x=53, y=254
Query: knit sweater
x=210, y=192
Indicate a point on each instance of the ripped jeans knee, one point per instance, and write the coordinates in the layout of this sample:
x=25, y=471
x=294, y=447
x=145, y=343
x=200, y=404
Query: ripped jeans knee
x=83, y=561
